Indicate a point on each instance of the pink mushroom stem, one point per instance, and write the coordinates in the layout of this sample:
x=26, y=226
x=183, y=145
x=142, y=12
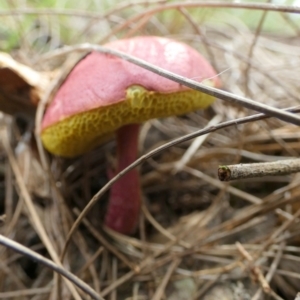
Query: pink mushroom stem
x=125, y=197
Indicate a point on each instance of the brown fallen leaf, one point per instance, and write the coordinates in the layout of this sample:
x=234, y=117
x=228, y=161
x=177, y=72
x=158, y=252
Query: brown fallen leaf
x=21, y=87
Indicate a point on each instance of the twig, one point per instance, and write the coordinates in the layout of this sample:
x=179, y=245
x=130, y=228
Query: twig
x=50, y=264
x=223, y=95
x=275, y=168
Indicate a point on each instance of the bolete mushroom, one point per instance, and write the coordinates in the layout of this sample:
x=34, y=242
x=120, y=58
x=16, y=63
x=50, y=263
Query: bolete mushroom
x=105, y=94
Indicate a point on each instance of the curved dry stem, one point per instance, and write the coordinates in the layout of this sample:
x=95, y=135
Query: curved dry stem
x=50, y=264
x=223, y=95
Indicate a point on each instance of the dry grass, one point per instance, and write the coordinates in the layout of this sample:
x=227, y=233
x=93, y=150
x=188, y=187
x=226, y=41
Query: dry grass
x=198, y=238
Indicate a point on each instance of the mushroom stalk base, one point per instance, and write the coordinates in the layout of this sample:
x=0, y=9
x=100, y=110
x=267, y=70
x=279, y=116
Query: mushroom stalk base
x=125, y=198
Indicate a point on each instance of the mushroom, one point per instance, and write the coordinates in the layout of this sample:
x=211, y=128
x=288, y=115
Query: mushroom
x=104, y=95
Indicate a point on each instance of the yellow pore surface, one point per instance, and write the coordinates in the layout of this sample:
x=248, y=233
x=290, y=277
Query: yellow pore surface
x=80, y=133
